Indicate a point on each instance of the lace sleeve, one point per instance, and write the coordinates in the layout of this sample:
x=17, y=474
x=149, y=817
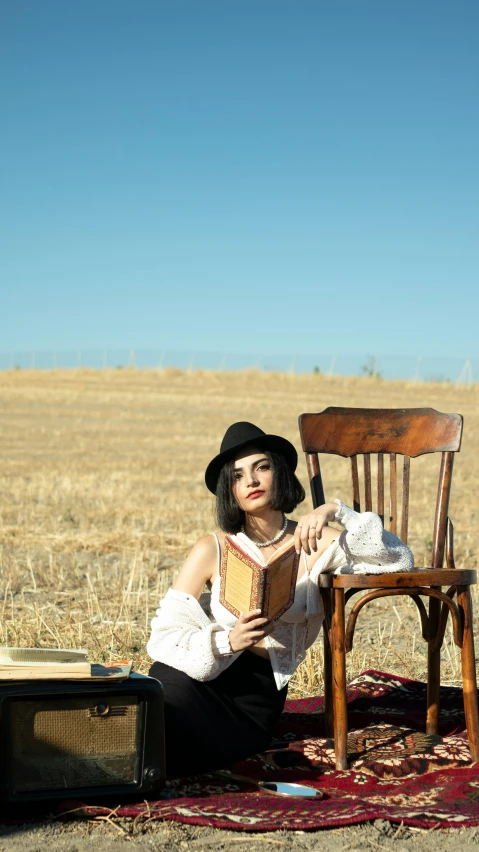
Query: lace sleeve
x=368, y=547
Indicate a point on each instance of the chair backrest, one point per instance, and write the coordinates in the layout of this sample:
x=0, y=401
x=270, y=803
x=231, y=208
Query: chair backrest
x=408, y=432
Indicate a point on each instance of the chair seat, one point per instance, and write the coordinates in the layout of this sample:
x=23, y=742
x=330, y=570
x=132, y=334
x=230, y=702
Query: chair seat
x=400, y=580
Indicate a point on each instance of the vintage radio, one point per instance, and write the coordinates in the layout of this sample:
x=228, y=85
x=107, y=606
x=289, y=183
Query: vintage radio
x=69, y=739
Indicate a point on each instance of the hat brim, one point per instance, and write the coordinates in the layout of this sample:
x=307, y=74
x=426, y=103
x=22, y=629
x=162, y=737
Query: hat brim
x=264, y=442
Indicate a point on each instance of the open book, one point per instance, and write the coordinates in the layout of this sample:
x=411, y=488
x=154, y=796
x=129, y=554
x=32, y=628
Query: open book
x=247, y=584
x=56, y=664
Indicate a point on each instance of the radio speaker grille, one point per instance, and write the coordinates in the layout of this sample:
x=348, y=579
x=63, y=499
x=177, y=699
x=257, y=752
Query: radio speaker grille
x=73, y=742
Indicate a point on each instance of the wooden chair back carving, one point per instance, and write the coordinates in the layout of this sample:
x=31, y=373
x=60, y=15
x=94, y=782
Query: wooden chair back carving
x=386, y=434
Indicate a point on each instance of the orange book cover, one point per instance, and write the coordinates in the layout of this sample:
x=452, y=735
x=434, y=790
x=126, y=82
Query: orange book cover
x=246, y=584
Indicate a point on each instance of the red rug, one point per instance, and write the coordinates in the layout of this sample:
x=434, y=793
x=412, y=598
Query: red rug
x=397, y=772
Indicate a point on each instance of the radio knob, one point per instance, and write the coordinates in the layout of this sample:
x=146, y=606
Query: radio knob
x=153, y=774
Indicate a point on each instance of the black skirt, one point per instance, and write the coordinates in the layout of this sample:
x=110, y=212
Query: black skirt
x=211, y=724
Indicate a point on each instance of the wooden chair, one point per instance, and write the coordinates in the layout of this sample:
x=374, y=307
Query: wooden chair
x=350, y=432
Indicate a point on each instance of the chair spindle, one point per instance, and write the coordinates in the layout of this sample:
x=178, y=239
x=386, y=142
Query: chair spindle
x=381, y=486
x=393, y=493
x=405, y=498
x=368, y=501
x=355, y=478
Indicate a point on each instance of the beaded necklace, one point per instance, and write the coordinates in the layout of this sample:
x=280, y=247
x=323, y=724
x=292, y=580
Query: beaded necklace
x=272, y=540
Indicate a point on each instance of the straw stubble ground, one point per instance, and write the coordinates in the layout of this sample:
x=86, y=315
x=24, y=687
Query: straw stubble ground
x=102, y=496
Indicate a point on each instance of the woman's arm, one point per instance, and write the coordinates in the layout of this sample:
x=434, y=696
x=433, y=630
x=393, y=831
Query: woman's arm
x=363, y=547
x=198, y=568
x=182, y=636
x=366, y=546
x=313, y=527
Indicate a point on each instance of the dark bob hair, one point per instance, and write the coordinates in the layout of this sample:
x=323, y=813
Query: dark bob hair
x=287, y=492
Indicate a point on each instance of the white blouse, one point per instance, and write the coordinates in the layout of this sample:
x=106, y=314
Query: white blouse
x=184, y=637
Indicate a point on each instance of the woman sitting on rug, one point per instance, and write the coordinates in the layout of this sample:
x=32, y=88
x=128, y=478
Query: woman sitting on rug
x=225, y=679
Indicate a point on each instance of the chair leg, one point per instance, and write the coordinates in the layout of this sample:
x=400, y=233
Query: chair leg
x=433, y=670
x=340, y=710
x=328, y=671
x=469, y=684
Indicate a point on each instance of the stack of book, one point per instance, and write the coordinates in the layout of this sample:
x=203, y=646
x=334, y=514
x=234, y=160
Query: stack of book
x=56, y=664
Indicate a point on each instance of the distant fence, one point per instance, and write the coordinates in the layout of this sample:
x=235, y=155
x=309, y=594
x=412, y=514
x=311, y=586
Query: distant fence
x=416, y=368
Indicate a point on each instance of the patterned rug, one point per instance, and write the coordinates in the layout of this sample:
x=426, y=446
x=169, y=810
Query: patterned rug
x=397, y=772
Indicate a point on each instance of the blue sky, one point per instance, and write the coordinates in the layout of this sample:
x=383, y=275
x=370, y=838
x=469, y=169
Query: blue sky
x=273, y=176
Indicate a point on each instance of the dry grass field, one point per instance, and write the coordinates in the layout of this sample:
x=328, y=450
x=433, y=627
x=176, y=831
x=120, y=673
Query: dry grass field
x=102, y=496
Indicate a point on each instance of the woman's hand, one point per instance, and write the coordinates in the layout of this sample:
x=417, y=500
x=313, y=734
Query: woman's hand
x=310, y=528
x=248, y=630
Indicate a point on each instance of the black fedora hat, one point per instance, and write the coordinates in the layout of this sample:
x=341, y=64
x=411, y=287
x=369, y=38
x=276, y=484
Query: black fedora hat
x=244, y=434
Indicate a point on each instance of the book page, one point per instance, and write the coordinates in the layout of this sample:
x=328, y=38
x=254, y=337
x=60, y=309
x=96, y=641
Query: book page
x=42, y=657
x=43, y=673
x=238, y=583
x=246, y=545
x=95, y=671
x=280, y=581
x=283, y=548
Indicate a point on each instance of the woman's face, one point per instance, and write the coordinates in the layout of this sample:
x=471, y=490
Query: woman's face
x=252, y=480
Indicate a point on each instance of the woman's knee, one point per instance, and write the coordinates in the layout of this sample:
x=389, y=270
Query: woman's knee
x=178, y=688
